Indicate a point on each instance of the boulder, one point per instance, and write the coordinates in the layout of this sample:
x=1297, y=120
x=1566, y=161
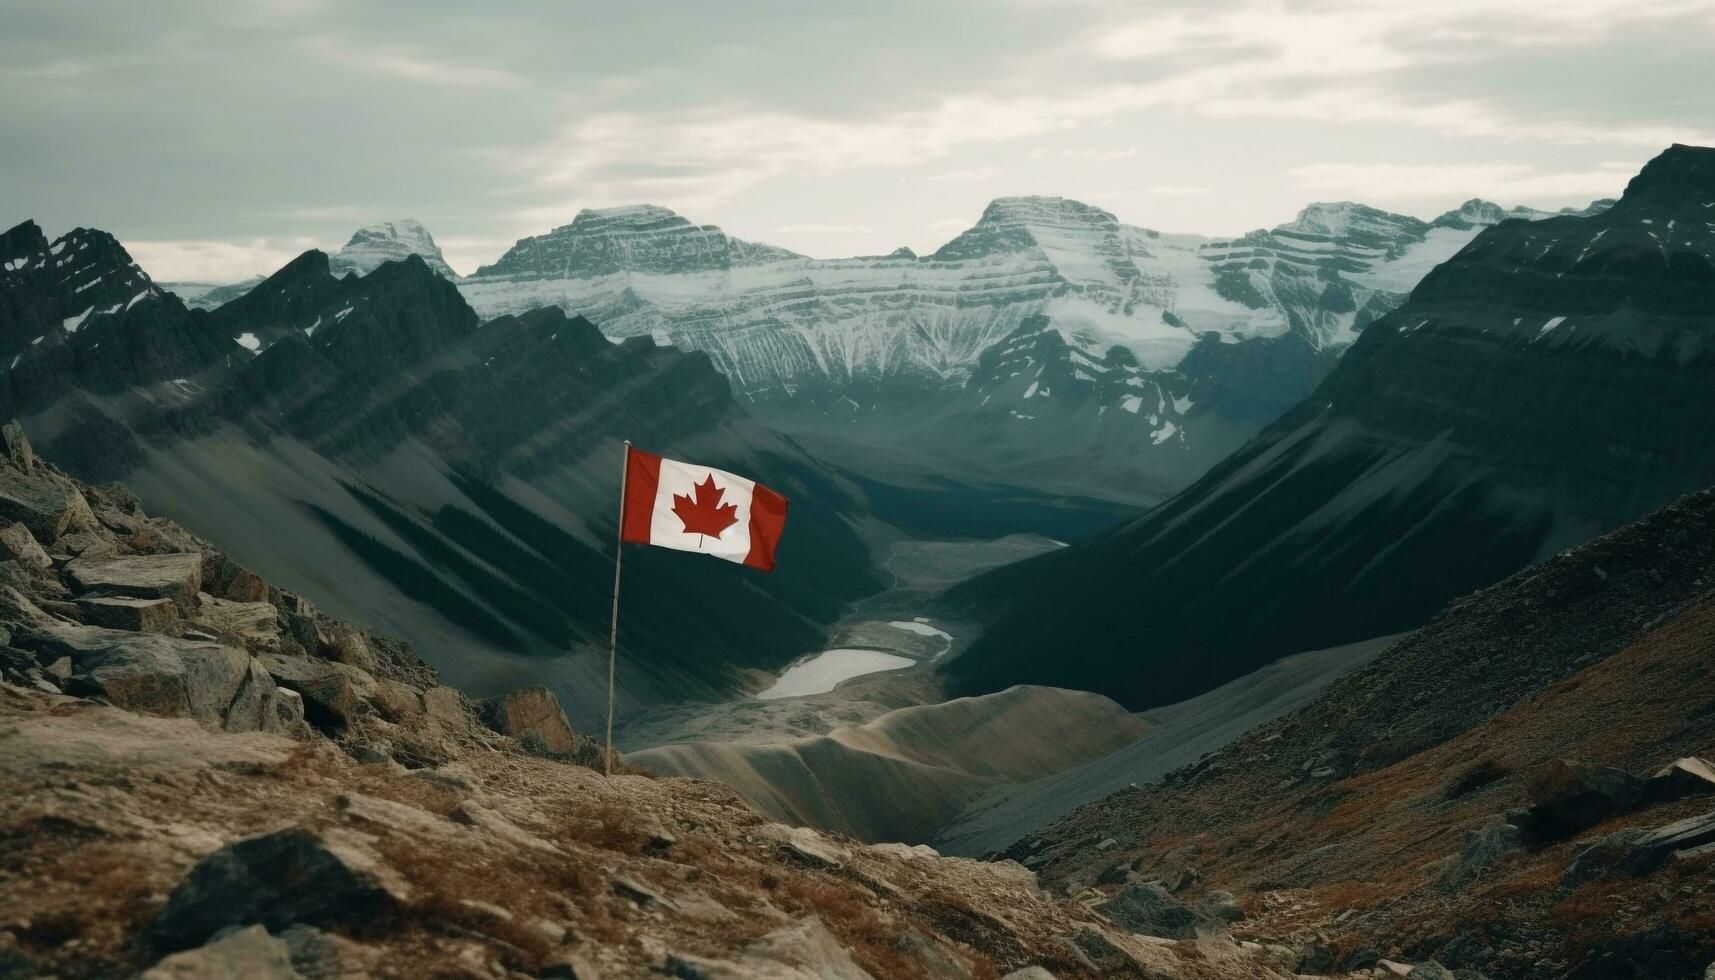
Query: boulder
x=173, y=576
x=226, y=579
x=1566, y=797
x=17, y=446
x=1429, y=970
x=289, y=877
x=164, y=675
x=532, y=715
x=1479, y=851
x=1148, y=909
x=343, y=644
x=1029, y=973
x=254, y=624
x=1636, y=851
x=248, y=952
x=47, y=505
x=1678, y=779
x=333, y=693
x=18, y=544
x=121, y=612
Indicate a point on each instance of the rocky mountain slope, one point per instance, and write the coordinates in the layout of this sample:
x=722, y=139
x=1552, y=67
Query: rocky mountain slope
x=1550, y=381
x=1497, y=790
x=80, y=321
x=388, y=241
x=363, y=439
x=206, y=777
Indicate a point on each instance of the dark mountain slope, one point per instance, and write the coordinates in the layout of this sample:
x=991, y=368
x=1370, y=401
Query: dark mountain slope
x=369, y=441
x=1552, y=380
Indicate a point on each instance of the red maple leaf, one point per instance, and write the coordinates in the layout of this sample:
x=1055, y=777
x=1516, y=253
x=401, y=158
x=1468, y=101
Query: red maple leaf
x=705, y=515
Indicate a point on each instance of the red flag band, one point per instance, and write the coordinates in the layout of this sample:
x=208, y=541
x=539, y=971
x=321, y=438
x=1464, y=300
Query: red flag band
x=697, y=508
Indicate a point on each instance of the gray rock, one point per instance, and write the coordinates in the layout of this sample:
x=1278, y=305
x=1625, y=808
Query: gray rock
x=1221, y=906
x=46, y=504
x=130, y=613
x=17, y=446
x=1030, y=973
x=1147, y=908
x=533, y=716
x=806, y=846
x=278, y=880
x=1429, y=970
x=162, y=675
x=1638, y=852
x=1678, y=779
x=1480, y=850
x=18, y=544
x=175, y=576
x=226, y=579
x=334, y=694
x=254, y=624
x=250, y=953
x=1566, y=797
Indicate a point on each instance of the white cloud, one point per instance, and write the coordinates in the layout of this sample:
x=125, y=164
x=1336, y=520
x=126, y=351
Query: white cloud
x=815, y=229
x=967, y=173
x=412, y=66
x=949, y=224
x=203, y=260
x=1504, y=182
x=1178, y=190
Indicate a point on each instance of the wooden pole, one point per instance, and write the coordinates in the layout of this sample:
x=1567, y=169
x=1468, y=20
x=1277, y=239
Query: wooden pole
x=613, y=628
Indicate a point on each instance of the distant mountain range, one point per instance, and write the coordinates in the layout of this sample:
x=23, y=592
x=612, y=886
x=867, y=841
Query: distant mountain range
x=368, y=440
x=1049, y=345
x=1551, y=380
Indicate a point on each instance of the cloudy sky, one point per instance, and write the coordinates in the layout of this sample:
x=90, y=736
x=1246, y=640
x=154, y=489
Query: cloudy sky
x=218, y=139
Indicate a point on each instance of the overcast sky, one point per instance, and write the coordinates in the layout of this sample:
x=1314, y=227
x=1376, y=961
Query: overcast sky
x=218, y=139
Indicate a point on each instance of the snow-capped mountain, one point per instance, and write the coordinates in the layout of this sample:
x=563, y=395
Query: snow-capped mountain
x=388, y=241
x=641, y=239
x=79, y=318
x=1552, y=380
x=782, y=325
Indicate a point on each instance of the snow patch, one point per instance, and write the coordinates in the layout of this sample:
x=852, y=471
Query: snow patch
x=249, y=342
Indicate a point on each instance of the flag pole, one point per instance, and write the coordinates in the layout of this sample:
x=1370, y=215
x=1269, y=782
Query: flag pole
x=613, y=628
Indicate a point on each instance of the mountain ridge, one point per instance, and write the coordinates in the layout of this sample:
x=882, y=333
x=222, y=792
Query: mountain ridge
x=1455, y=442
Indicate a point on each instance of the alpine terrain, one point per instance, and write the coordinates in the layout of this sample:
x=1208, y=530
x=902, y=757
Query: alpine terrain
x=1550, y=381
x=1049, y=339
x=362, y=438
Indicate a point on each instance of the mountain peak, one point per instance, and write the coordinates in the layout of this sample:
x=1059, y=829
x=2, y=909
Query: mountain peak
x=1680, y=172
x=389, y=241
x=644, y=238
x=1012, y=224
x=1348, y=219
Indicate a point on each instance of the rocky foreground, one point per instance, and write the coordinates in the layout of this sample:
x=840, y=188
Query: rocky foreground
x=1518, y=789
x=205, y=777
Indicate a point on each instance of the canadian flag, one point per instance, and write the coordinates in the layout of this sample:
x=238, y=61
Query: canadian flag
x=698, y=508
